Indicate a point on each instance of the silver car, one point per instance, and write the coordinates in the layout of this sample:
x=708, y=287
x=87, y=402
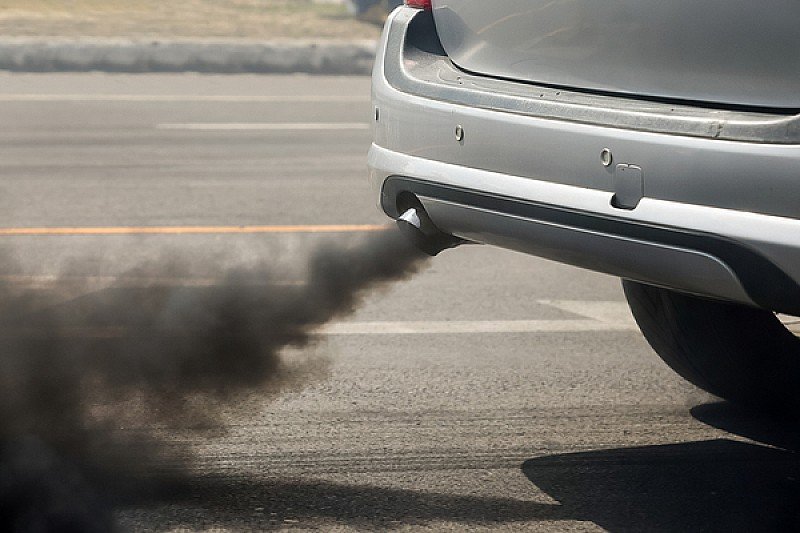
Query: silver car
x=655, y=141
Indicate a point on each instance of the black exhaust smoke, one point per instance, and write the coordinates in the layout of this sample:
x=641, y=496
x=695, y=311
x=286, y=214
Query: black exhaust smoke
x=89, y=389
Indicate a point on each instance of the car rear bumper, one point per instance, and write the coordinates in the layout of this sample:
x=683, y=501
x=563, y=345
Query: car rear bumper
x=701, y=205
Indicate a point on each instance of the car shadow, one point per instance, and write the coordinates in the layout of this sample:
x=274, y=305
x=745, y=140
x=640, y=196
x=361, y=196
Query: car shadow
x=243, y=503
x=714, y=485
x=781, y=430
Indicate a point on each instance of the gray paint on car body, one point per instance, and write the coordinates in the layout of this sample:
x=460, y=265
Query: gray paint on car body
x=726, y=51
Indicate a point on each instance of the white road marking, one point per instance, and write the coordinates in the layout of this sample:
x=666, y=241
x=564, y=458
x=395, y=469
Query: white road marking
x=191, y=230
x=439, y=327
x=268, y=126
x=596, y=316
x=180, y=98
x=602, y=311
x=470, y=326
x=792, y=323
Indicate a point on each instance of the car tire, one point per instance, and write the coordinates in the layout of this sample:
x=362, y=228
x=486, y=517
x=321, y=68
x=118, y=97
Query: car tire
x=739, y=353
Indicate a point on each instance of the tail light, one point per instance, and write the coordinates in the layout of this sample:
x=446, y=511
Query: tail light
x=419, y=4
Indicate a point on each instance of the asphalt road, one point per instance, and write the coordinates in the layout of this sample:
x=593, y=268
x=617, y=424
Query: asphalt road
x=491, y=391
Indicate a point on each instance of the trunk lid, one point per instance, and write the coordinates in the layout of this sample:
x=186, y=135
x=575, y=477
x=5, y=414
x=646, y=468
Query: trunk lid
x=728, y=52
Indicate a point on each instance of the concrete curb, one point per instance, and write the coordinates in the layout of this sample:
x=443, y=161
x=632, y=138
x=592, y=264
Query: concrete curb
x=22, y=54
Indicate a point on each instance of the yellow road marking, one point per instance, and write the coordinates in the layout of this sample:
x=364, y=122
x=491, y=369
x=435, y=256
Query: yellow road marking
x=17, y=97
x=45, y=281
x=190, y=230
x=266, y=126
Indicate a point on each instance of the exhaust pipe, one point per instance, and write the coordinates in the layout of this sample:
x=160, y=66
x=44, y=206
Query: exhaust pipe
x=418, y=227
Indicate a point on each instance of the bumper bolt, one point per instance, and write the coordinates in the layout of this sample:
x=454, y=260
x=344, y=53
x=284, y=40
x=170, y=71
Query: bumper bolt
x=605, y=157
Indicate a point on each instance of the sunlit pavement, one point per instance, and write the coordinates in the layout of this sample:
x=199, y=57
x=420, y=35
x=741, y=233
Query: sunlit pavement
x=493, y=390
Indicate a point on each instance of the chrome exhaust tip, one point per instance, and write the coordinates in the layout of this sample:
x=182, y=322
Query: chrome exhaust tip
x=418, y=227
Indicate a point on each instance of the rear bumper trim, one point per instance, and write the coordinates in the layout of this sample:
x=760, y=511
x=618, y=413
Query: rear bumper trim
x=764, y=282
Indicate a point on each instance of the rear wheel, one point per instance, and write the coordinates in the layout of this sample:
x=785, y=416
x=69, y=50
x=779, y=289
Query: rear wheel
x=739, y=353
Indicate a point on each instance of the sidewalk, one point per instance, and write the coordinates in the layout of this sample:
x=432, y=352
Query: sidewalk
x=31, y=54
x=260, y=36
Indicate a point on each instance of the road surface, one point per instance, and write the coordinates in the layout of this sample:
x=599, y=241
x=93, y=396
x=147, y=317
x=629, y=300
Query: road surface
x=491, y=391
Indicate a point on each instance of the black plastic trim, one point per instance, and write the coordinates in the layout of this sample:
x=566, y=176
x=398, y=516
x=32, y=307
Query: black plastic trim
x=765, y=283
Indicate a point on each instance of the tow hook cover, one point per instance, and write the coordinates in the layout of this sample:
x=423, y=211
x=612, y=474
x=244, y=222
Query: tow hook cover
x=628, y=186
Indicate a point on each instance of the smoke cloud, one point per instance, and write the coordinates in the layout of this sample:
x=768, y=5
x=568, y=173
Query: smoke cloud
x=90, y=388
